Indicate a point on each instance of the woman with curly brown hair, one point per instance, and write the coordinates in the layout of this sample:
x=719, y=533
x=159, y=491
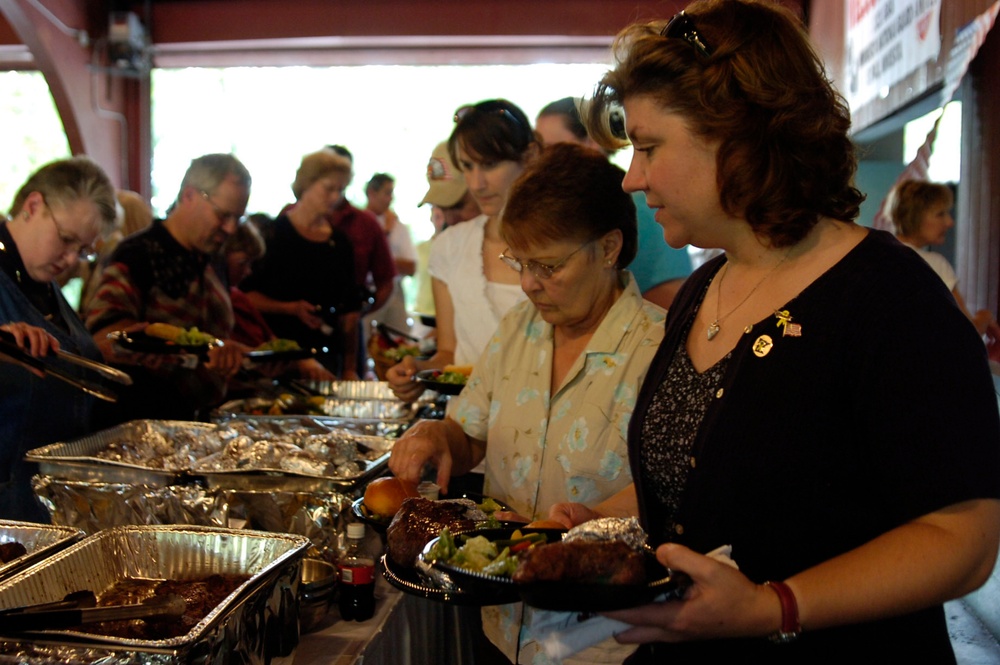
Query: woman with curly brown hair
x=779, y=415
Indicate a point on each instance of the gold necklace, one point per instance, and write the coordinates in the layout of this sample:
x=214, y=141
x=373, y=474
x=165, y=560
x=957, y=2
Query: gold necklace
x=714, y=326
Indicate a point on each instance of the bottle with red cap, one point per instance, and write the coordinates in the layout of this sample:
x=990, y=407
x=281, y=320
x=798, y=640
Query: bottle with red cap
x=356, y=567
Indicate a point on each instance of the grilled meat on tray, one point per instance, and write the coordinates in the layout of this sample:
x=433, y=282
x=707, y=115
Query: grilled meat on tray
x=418, y=521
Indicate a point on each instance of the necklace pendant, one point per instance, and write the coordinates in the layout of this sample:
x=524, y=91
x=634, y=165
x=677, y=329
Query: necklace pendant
x=713, y=330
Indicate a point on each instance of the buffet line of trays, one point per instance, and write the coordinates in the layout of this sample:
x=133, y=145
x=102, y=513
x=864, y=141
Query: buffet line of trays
x=208, y=595
x=247, y=446
x=290, y=473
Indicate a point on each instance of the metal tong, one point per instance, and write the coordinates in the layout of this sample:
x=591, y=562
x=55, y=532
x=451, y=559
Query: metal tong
x=9, y=348
x=53, y=616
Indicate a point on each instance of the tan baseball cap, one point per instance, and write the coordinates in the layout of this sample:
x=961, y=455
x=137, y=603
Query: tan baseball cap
x=447, y=185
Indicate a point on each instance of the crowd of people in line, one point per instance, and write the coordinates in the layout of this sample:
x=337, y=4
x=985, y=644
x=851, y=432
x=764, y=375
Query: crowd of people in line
x=814, y=396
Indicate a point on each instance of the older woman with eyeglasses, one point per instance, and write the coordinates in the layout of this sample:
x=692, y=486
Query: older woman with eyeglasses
x=492, y=143
x=55, y=218
x=550, y=399
x=819, y=402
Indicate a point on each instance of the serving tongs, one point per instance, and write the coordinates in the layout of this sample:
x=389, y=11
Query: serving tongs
x=72, y=600
x=9, y=348
x=44, y=617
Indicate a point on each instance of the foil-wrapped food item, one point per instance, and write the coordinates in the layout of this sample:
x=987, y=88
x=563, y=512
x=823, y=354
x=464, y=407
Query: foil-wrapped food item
x=623, y=529
x=244, y=446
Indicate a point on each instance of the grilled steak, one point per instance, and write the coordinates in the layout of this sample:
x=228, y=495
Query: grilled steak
x=10, y=551
x=418, y=521
x=608, y=562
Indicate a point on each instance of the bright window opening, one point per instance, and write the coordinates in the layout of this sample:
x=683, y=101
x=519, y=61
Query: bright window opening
x=390, y=117
x=946, y=158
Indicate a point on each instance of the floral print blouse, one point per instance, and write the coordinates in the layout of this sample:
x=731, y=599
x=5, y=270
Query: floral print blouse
x=543, y=448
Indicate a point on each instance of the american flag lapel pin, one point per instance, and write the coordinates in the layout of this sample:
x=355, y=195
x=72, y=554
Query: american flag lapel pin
x=788, y=329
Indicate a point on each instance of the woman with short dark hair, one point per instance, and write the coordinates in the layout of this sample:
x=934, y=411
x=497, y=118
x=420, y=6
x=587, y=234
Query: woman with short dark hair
x=492, y=144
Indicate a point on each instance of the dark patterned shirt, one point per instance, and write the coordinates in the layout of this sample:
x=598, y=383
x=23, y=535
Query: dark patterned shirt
x=671, y=425
x=151, y=277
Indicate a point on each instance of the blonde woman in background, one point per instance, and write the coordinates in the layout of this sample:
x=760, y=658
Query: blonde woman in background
x=921, y=213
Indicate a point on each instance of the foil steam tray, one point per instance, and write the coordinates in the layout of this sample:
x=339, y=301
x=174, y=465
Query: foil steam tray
x=91, y=507
x=40, y=541
x=158, y=453
x=387, y=429
x=334, y=407
x=78, y=459
x=370, y=456
x=255, y=623
x=353, y=389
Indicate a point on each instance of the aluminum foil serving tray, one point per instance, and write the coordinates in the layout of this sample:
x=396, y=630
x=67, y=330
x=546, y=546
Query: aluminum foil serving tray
x=40, y=540
x=255, y=623
x=353, y=400
x=365, y=390
x=298, y=454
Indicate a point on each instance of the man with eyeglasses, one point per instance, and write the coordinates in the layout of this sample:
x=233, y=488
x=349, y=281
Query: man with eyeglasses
x=164, y=274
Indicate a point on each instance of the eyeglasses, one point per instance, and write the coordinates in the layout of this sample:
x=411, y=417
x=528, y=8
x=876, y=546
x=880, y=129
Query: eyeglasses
x=70, y=243
x=222, y=214
x=681, y=26
x=497, y=106
x=539, y=270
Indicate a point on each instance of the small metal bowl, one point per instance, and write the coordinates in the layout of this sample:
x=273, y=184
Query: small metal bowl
x=316, y=593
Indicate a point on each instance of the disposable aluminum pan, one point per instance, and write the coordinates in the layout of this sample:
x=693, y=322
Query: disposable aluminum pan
x=40, y=541
x=349, y=454
x=334, y=407
x=353, y=389
x=79, y=460
x=254, y=624
x=389, y=429
x=156, y=453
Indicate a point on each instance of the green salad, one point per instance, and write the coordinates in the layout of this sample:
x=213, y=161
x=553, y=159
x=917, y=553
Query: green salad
x=194, y=337
x=279, y=345
x=479, y=554
x=397, y=353
x=452, y=377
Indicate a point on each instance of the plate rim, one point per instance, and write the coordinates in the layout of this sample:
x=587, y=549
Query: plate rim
x=439, y=386
x=451, y=597
x=124, y=338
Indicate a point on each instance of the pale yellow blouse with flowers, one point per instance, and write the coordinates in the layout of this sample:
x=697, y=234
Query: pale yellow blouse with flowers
x=540, y=448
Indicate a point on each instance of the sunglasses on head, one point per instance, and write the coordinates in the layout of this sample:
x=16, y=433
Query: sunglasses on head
x=491, y=106
x=682, y=27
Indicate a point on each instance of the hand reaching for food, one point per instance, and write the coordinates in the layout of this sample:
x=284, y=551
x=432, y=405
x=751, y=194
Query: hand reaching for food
x=400, y=378
x=305, y=312
x=227, y=359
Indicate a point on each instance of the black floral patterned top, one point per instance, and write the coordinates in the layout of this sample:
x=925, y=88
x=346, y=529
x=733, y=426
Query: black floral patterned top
x=671, y=425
